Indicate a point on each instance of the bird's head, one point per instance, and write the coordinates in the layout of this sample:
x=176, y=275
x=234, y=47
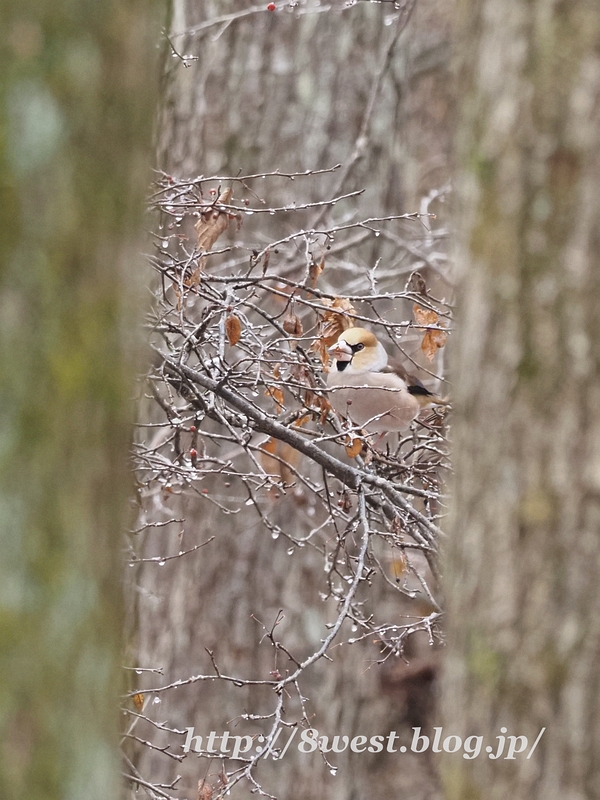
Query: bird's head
x=358, y=351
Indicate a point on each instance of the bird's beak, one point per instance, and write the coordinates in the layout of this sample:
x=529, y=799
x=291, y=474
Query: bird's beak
x=341, y=351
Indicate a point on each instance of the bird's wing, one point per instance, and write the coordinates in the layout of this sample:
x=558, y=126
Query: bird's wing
x=413, y=385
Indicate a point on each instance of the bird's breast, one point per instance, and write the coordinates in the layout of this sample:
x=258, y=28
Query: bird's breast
x=379, y=402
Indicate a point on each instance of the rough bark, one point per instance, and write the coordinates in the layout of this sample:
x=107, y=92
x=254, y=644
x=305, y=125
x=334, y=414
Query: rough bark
x=76, y=100
x=523, y=563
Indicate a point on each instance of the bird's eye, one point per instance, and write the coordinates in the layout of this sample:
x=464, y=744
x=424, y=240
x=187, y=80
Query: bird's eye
x=358, y=347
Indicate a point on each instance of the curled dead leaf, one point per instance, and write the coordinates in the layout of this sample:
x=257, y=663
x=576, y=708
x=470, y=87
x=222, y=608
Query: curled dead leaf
x=303, y=420
x=233, y=329
x=266, y=260
x=205, y=790
x=269, y=446
x=314, y=270
x=276, y=392
x=416, y=283
x=425, y=316
x=354, y=449
x=399, y=565
x=335, y=320
x=345, y=501
x=222, y=780
x=325, y=407
x=433, y=340
x=293, y=325
x=138, y=700
x=278, y=458
x=212, y=223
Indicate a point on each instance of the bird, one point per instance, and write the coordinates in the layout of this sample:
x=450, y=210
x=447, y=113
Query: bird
x=376, y=396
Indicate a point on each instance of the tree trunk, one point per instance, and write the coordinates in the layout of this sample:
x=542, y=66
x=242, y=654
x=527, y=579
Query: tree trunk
x=523, y=560
x=291, y=92
x=76, y=102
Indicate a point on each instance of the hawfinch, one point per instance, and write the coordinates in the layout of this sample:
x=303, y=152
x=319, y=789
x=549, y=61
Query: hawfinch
x=364, y=388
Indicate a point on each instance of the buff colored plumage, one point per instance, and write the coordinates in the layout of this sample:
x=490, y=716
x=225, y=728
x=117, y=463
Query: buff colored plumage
x=370, y=393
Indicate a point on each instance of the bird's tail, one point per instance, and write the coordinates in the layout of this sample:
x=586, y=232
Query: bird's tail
x=426, y=398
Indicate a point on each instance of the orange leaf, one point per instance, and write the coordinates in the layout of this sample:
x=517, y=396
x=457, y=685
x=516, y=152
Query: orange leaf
x=270, y=465
x=276, y=392
x=194, y=279
x=138, y=700
x=335, y=320
x=269, y=446
x=399, y=565
x=303, y=420
x=278, y=458
x=325, y=408
x=315, y=270
x=425, y=316
x=233, y=329
x=433, y=340
x=354, y=448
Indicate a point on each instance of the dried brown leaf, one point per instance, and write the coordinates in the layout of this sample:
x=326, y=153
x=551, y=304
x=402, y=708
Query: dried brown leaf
x=399, y=565
x=354, y=449
x=303, y=420
x=195, y=277
x=417, y=284
x=205, y=790
x=293, y=325
x=138, y=700
x=325, y=407
x=233, y=329
x=212, y=223
x=222, y=780
x=269, y=446
x=335, y=320
x=433, y=340
x=424, y=316
x=269, y=464
x=266, y=260
x=276, y=394
x=278, y=459
x=315, y=270
x=345, y=501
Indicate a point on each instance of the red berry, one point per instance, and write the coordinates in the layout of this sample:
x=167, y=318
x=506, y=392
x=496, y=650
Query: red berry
x=193, y=453
x=271, y=7
x=192, y=429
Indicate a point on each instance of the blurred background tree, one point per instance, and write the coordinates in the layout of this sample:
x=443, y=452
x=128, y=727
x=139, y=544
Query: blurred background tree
x=77, y=92
x=524, y=595
x=301, y=88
